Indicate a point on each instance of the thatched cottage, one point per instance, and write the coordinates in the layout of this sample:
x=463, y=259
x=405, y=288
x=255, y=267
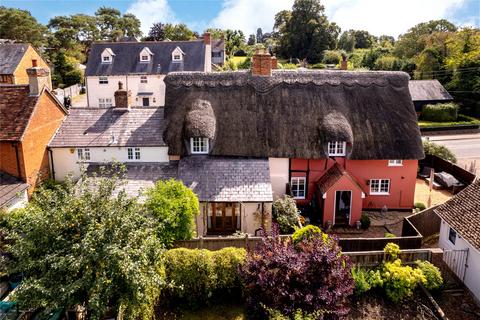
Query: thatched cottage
x=337, y=141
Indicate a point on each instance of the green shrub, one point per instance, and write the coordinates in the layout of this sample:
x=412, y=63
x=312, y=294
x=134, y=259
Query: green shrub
x=432, y=275
x=287, y=66
x=400, y=281
x=285, y=213
x=332, y=57
x=307, y=233
x=439, y=151
x=443, y=112
x=420, y=206
x=197, y=275
x=389, y=235
x=365, y=221
x=298, y=315
x=360, y=276
x=317, y=66
x=392, y=251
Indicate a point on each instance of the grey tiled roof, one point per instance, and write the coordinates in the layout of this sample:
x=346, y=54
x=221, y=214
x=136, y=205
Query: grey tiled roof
x=127, y=58
x=95, y=127
x=227, y=179
x=462, y=213
x=9, y=188
x=140, y=175
x=10, y=56
x=428, y=90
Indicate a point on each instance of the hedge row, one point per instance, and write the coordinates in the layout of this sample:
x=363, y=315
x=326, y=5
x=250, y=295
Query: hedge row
x=443, y=112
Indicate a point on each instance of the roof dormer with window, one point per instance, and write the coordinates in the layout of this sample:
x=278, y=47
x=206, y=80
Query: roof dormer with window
x=177, y=55
x=146, y=55
x=107, y=55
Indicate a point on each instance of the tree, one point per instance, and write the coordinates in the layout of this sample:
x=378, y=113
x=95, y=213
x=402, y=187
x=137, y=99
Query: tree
x=347, y=41
x=157, y=32
x=19, y=25
x=234, y=40
x=285, y=213
x=363, y=39
x=215, y=33
x=83, y=244
x=439, y=151
x=251, y=40
x=383, y=40
x=178, y=32
x=175, y=206
x=66, y=72
x=113, y=25
x=305, y=32
x=259, y=35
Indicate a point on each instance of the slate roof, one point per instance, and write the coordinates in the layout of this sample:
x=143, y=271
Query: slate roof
x=462, y=213
x=139, y=175
x=16, y=108
x=9, y=188
x=428, y=90
x=331, y=177
x=219, y=179
x=127, y=61
x=95, y=127
x=294, y=113
x=218, y=45
x=10, y=56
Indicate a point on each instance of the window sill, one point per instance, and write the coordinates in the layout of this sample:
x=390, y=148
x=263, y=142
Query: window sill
x=336, y=155
x=199, y=153
x=299, y=198
x=395, y=165
x=379, y=193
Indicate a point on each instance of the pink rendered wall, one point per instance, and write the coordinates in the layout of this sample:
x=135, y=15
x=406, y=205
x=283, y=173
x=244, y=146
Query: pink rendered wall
x=402, y=179
x=344, y=184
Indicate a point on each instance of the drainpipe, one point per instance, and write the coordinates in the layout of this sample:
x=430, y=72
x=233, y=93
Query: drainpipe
x=19, y=171
x=50, y=152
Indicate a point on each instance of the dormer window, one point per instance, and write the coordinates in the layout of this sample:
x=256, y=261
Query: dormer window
x=106, y=59
x=107, y=55
x=199, y=145
x=337, y=148
x=146, y=55
x=177, y=55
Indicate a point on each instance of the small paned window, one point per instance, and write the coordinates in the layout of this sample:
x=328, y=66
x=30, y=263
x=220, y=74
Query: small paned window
x=144, y=58
x=143, y=79
x=336, y=148
x=103, y=80
x=133, y=154
x=199, y=145
x=452, y=235
x=379, y=186
x=395, y=163
x=83, y=154
x=105, y=102
x=298, y=187
x=106, y=59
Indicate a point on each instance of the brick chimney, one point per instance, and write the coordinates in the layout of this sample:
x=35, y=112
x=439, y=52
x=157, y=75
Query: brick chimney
x=344, y=63
x=207, y=38
x=263, y=63
x=38, y=78
x=274, y=62
x=121, y=97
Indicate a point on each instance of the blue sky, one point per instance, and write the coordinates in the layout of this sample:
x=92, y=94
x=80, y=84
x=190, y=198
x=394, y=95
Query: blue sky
x=390, y=17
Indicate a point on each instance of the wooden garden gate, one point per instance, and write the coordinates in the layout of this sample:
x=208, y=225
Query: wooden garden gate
x=457, y=261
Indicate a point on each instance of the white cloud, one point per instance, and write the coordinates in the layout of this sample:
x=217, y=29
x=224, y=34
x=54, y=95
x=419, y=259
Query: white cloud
x=151, y=11
x=391, y=17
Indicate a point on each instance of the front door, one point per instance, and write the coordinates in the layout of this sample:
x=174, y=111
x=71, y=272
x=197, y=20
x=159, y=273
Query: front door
x=224, y=218
x=146, y=102
x=343, y=204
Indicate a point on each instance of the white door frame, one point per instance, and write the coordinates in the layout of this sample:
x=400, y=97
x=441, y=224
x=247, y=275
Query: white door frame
x=335, y=206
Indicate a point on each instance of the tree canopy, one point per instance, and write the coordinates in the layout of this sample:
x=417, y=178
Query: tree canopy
x=19, y=25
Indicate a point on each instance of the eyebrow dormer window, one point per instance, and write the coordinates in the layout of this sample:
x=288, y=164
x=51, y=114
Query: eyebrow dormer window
x=199, y=145
x=337, y=148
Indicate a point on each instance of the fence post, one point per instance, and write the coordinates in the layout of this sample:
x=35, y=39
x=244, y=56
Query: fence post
x=201, y=242
x=246, y=241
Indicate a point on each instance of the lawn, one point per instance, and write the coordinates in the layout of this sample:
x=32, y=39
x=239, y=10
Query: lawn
x=461, y=121
x=238, y=60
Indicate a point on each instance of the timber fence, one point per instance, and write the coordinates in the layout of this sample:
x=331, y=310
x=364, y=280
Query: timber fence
x=426, y=223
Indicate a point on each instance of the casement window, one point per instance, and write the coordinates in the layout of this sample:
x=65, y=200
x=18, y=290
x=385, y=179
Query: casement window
x=83, y=154
x=199, y=145
x=337, y=148
x=144, y=57
x=177, y=57
x=143, y=79
x=103, y=80
x=452, y=235
x=379, y=186
x=133, y=154
x=106, y=59
x=105, y=102
x=298, y=187
x=395, y=163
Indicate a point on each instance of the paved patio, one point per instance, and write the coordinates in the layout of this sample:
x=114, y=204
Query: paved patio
x=422, y=192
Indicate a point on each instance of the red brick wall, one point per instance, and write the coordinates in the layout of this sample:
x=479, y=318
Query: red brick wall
x=8, y=160
x=45, y=121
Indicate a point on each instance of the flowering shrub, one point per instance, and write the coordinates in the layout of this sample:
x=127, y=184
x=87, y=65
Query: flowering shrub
x=312, y=276
x=285, y=213
x=400, y=281
x=432, y=275
x=307, y=233
x=392, y=251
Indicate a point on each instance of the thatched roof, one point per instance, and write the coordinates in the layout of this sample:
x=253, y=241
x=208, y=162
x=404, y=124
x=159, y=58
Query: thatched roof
x=292, y=113
x=200, y=120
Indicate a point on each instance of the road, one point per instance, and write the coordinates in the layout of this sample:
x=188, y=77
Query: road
x=466, y=147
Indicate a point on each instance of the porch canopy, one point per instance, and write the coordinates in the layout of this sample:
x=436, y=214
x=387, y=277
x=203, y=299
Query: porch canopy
x=227, y=179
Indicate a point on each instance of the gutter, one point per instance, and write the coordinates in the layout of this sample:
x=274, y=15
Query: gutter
x=52, y=167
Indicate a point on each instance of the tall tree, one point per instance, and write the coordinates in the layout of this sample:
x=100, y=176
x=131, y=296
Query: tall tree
x=113, y=25
x=347, y=41
x=19, y=25
x=306, y=31
x=259, y=35
x=178, y=32
x=157, y=32
x=363, y=39
x=251, y=40
x=234, y=39
x=216, y=33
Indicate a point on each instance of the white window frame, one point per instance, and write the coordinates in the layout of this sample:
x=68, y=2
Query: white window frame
x=295, y=189
x=142, y=56
x=134, y=153
x=199, y=145
x=143, y=79
x=395, y=163
x=450, y=230
x=337, y=148
x=106, y=59
x=378, y=183
x=103, y=80
x=105, y=102
x=83, y=154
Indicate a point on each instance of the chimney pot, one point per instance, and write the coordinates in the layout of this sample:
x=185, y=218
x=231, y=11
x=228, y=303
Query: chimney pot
x=121, y=97
x=344, y=63
x=262, y=63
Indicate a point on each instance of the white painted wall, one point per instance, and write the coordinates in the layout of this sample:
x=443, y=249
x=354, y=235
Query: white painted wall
x=65, y=160
x=472, y=273
x=131, y=83
x=20, y=201
x=278, y=175
x=249, y=221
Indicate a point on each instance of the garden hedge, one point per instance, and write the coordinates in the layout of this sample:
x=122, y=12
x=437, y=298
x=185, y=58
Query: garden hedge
x=443, y=112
